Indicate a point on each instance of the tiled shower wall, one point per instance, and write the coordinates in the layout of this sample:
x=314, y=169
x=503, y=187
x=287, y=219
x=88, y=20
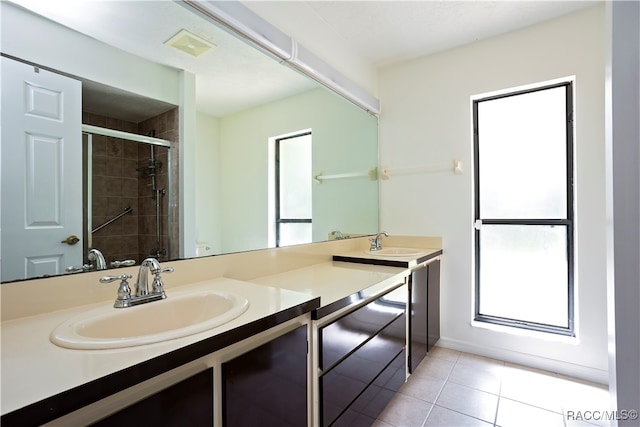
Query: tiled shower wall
x=119, y=181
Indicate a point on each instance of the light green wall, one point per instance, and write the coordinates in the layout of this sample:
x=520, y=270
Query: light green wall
x=344, y=140
x=207, y=186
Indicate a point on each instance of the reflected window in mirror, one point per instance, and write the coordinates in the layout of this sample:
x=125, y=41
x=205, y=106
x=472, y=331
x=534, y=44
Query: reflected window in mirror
x=293, y=190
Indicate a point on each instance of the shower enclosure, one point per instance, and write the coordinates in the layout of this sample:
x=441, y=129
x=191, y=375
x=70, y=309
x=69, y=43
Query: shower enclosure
x=126, y=194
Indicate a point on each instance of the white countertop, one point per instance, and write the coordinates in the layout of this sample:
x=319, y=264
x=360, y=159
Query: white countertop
x=335, y=280
x=34, y=369
x=410, y=260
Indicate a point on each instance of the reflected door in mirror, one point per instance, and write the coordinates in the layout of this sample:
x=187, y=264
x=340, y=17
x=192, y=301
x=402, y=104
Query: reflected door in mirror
x=41, y=171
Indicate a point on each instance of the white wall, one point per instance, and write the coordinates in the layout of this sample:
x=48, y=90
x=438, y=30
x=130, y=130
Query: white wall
x=426, y=119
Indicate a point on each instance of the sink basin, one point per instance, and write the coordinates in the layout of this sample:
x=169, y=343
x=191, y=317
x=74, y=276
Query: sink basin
x=395, y=252
x=177, y=316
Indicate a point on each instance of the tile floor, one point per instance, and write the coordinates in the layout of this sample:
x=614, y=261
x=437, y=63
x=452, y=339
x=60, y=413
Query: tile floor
x=454, y=389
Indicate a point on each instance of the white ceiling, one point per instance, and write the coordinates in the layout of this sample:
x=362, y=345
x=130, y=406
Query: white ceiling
x=384, y=32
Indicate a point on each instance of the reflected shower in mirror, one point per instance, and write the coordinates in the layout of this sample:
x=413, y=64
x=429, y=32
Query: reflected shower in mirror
x=127, y=189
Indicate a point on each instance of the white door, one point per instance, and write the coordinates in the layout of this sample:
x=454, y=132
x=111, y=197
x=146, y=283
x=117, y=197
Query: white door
x=41, y=171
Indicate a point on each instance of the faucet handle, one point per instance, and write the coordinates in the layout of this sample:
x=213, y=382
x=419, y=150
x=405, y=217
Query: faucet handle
x=157, y=287
x=77, y=269
x=123, y=263
x=109, y=279
x=124, y=290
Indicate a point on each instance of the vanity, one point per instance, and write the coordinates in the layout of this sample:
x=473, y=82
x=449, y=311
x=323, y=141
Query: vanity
x=320, y=340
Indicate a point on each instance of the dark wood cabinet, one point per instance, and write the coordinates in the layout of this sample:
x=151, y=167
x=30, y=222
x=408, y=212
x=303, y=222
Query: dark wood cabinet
x=418, y=307
x=267, y=386
x=433, y=304
x=424, y=297
x=187, y=403
x=362, y=361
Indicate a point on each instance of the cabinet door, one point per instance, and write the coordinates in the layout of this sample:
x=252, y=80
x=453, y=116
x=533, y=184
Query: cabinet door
x=418, y=325
x=433, y=304
x=187, y=403
x=268, y=385
x=424, y=327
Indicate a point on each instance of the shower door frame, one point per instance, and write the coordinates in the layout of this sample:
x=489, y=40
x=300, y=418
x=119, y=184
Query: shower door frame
x=91, y=130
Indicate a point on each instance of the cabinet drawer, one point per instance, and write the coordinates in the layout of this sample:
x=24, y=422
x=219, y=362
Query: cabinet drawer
x=341, y=385
x=347, y=333
x=366, y=408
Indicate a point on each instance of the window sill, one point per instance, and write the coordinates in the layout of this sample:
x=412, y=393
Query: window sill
x=511, y=330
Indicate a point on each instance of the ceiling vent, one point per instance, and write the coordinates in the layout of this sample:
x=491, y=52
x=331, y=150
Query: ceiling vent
x=190, y=43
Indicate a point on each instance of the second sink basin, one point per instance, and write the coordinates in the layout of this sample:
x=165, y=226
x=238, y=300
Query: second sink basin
x=395, y=252
x=177, y=316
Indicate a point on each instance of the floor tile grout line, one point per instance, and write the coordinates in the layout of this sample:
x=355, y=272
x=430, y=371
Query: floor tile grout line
x=439, y=392
x=453, y=410
x=495, y=418
x=461, y=413
x=441, y=387
x=428, y=413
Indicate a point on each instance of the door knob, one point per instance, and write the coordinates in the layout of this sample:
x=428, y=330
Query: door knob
x=71, y=240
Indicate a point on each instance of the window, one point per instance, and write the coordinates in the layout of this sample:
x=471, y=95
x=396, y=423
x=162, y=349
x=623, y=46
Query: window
x=523, y=153
x=293, y=183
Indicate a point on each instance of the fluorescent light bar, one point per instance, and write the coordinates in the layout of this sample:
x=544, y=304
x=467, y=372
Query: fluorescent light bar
x=305, y=61
x=242, y=20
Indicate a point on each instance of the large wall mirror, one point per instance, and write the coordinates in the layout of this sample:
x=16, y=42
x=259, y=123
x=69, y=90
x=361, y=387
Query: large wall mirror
x=190, y=141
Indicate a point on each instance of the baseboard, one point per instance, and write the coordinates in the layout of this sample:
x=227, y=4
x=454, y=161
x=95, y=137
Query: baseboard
x=560, y=367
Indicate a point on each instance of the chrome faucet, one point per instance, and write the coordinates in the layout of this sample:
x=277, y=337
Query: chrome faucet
x=97, y=257
x=338, y=234
x=142, y=294
x=375, y=241
x=142, y=284
x=94, y=256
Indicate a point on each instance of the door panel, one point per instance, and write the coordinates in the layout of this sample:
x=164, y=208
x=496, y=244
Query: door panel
x=42, y=181
x=41, y=171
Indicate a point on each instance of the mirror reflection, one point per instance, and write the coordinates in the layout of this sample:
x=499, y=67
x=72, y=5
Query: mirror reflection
x=126, y=191
x=231, y=178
